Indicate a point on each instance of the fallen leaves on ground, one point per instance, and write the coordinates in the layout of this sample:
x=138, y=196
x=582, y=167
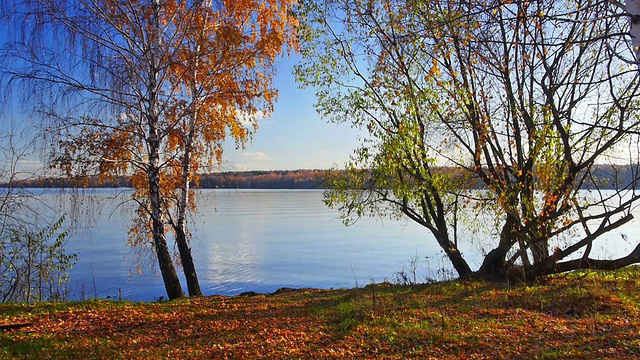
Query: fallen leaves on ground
x=591, y=315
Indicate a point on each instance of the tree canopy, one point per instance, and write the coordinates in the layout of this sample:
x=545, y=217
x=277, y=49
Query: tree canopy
x=527, y=98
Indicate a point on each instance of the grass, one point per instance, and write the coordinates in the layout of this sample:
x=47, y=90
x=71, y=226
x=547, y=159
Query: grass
x=585, y=315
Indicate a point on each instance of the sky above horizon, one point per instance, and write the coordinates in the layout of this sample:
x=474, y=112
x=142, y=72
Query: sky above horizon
x=294, y=136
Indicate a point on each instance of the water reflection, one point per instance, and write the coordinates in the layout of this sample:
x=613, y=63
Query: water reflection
x=270, y=239
x=263, y=240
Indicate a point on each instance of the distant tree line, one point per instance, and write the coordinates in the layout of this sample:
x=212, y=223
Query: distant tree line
x=296, y=179
x=604, y=176
x=64, y=182
x=283, y=179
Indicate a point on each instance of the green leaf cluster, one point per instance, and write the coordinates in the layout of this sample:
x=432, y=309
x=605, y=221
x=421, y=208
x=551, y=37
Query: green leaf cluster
x=33, y=264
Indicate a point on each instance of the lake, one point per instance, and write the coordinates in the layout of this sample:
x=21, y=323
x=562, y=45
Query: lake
x=260, y=240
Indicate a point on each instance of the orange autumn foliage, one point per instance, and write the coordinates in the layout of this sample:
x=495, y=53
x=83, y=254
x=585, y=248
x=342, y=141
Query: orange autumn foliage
x=197, y=72
x=220, y=61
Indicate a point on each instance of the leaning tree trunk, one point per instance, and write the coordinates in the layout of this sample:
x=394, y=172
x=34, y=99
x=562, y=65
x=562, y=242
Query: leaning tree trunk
x=458, y=262
x=438, y=227
x=182, y=241
x=188, y=265
x=453, y=253
x=586, y=263
x=552, y=265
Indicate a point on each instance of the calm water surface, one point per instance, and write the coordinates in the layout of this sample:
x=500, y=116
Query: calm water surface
x=259, y=240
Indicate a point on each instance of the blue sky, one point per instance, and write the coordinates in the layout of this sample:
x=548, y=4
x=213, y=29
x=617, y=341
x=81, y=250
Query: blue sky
x=294, y=137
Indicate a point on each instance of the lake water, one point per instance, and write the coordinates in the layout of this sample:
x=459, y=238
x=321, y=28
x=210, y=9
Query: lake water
x=260, y=240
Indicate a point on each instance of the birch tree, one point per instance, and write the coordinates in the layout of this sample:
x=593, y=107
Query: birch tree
x=109, y=76
x=226, y=71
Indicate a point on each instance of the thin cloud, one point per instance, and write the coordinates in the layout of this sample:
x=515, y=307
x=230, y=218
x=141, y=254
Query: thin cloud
x=254, y=156
x=251, y=161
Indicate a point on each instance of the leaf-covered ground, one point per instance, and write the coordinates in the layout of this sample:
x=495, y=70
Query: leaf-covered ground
x=592, y=315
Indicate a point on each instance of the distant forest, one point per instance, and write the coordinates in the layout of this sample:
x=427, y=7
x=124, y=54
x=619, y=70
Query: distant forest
x=284, y=179
x=294, y=179
x=604, y=176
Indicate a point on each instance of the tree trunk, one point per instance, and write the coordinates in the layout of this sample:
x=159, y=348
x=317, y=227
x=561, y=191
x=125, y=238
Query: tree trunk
x=494, y=266
x=586, y=263
x=551, y=266
x=182, y=241
x=165, y=262
x=168, y=271
x=540, y=250
x=438, y=228
x=633, y=9
x=458, y=262
x=188, y=265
